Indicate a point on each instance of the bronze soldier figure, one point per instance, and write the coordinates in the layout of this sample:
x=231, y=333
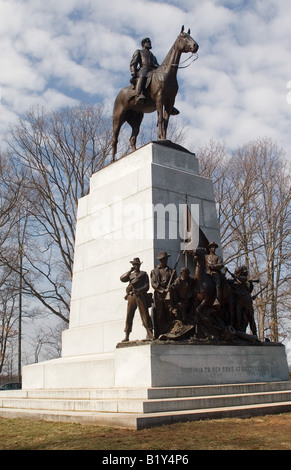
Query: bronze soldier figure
x=183, y=296
x=244, y=311
x=161, y=277
x=214, y=264
x=141, y=65
x=137, y=296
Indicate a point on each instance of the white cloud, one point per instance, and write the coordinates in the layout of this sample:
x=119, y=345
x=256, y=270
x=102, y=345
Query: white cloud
x=16, y=69
x=56, y=52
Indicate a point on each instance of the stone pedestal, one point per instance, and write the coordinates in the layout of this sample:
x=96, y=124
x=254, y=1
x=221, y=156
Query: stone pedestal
x=168, y=365
x=133, y=210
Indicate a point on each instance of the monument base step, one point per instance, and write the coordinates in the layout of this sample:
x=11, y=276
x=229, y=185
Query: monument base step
x=143, y=408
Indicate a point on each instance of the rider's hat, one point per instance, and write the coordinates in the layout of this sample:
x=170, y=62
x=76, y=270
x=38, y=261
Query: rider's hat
x=145, y=40
x=163, y=254
x=136, y=261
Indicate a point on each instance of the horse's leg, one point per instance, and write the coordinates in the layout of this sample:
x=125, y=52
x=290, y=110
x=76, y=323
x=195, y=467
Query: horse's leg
x=134, y=120
x=116, y=129
x=118, y=120
x=159, y=106
x=167, y=114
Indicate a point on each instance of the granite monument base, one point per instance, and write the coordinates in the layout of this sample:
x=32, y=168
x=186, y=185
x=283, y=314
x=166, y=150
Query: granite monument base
x=155, y=364
x=170, y=365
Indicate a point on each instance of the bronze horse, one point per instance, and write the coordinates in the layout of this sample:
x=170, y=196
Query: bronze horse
x=161, y=94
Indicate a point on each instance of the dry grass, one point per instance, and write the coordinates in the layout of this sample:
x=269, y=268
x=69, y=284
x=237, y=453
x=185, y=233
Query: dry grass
x=258, y=433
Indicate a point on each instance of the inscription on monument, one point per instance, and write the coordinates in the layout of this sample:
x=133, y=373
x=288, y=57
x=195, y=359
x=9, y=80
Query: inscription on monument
x=230, y=369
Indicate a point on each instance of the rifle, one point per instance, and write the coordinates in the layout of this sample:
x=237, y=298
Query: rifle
x=253, y=297
x=232, y=275
x=237, y=279
x=174, y=270
x=172, y=275
x=131, y=286
x=258, y=293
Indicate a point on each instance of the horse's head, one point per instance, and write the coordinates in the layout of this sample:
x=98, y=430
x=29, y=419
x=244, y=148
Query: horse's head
x=186, y=43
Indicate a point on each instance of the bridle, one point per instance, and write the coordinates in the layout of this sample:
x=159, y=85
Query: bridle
x=179, y=66
x=186, y=60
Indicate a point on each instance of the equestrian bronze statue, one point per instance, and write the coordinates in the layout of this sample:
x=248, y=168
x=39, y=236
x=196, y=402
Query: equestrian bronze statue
x=157, y=95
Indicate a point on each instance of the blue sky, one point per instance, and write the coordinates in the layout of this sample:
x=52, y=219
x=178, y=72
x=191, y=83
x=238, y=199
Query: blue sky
x=57, y=53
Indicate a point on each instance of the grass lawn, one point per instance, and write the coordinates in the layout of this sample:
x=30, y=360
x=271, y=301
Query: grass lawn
x=258, y=433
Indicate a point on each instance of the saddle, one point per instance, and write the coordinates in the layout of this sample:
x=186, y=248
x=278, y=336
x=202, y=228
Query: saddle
x=133, y=81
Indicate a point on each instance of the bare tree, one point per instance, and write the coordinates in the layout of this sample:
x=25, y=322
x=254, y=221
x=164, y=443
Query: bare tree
x=45, y=342
x=10, y=190
x=10, y=193
x=59, y=152
x=8, y=312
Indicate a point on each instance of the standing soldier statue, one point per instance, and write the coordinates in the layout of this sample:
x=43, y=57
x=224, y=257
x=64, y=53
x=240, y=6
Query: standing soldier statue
x=137, y=296
x=161, y=277
x=214, y=264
